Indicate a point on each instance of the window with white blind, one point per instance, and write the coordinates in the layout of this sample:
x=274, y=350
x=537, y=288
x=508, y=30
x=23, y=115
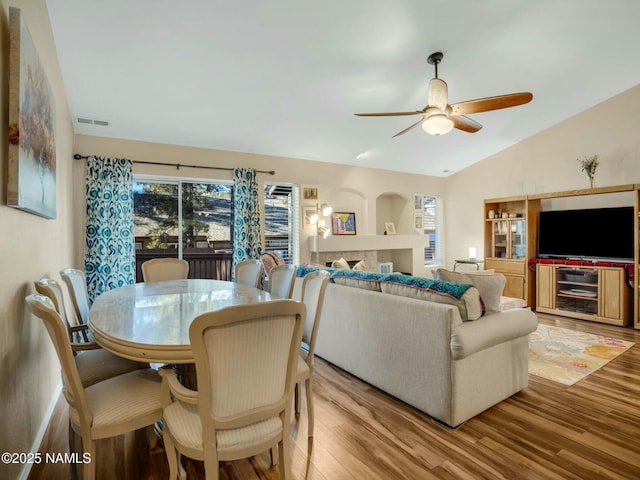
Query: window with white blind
x=432, y=225
x=281, y=224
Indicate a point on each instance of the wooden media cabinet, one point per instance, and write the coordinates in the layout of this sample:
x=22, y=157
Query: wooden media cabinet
x=600, y=294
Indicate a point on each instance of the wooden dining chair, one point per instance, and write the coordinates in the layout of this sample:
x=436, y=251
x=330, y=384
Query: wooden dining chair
x=164, y=269
x=314, y=286
x=76, y=283
x=281, y=279
x=110, y=408
x=94, y=364
x=248, y=272
x=245, y=358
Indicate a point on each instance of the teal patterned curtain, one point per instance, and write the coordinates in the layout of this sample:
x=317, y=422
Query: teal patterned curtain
x=247, y=242
x=110, y=260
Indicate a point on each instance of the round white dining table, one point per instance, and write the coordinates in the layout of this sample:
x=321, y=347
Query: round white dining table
x=150, y=322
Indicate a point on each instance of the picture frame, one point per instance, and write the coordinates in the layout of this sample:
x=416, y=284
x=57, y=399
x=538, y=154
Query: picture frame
x=343, y=223
x=31, y=181
x=418, y=202
x=307, y=212
x=418, y=222
x=309, y=193
x=389, y=228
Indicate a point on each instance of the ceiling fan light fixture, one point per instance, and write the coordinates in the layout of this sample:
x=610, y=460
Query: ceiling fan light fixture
x=438, y=124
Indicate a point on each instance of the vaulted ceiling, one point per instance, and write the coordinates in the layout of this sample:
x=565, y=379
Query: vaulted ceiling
x=285, y=77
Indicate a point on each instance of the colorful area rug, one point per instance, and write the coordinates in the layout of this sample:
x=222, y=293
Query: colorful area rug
x=567, y=356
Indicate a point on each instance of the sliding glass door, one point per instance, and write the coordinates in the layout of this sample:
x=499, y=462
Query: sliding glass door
x=193, y=220
x=184, y=219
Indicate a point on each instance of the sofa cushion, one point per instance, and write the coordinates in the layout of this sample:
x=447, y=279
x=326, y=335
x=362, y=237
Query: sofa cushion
x=359, y=266
x=464, y=296
x=340, y=263
x=489, y=286
x=358, y=279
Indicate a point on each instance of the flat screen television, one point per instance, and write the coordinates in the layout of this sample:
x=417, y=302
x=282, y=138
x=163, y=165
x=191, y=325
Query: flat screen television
x=596, y=233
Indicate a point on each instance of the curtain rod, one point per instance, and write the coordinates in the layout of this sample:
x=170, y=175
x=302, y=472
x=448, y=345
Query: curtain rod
x=77, y=156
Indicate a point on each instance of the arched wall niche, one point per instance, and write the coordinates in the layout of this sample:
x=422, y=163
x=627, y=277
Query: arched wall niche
x=393, y=207
x=344, y=199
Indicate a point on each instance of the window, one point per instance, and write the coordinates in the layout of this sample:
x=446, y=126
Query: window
x=432, y=225
x=155, y=215
x=193, y=219
x=180, y=215
x=280, y=221
x=207, y=215
x=185, y=219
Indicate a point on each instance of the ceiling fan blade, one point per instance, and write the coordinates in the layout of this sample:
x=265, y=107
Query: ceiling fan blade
x=465, y=123
x=389, y=114
x=408, y=128
x=491, y=103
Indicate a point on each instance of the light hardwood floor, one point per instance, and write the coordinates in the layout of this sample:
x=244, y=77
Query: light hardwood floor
x=590, y=430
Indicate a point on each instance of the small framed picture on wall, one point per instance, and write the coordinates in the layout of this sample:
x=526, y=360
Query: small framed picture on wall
x=308, y=211
x=418, y=203
x=309, y=193
x=343, y=223
x=418, y=223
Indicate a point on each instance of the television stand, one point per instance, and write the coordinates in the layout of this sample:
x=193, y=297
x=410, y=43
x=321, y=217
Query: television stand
x=595, y=293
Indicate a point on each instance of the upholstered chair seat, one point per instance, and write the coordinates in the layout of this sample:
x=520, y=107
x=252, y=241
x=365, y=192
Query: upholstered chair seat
x=97, y=365
x=94, y=364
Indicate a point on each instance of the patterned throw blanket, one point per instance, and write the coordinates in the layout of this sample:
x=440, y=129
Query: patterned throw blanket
x=452, y=289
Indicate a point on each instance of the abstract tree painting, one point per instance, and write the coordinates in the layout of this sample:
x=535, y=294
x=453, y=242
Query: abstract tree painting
x=32, y=151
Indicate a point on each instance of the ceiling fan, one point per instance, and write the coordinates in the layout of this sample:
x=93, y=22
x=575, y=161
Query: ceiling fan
x=439, y=117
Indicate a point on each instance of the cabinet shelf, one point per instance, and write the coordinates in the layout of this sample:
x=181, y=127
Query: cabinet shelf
x=512, y=219
x=583, y=284
x=575, y=295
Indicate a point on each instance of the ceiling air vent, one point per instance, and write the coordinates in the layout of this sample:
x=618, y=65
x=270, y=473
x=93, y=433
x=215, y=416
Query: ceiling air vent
x=88, y=121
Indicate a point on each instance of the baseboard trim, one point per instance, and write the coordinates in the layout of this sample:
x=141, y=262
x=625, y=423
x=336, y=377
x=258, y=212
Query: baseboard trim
x=42, y=430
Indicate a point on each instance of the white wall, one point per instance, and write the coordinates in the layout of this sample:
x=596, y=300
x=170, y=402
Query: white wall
x=547, y=162
x=346, y=188
x=31, y=247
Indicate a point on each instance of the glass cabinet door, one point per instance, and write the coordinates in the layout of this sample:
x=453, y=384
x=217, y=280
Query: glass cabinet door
x=517, y=239
x=500, y=238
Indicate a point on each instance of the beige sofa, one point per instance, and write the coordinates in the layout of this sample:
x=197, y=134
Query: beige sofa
x=422, y=353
